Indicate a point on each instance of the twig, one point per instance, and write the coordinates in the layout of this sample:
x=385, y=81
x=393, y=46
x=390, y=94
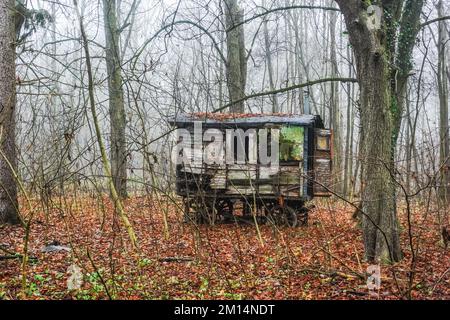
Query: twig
x=99, y=275
x=439, y=280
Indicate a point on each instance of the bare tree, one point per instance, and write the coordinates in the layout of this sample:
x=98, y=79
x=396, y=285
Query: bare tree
x=116, y=99
x=115, y=197
x=444, y=143
x=335, y=113
x=236, y=57
x=275, y=106
x=8, y=162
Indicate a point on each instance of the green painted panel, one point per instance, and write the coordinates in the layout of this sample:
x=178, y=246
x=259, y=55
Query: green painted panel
x=291, y=143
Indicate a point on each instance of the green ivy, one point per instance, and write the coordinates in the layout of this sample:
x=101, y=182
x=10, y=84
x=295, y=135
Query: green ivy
x=394, y=106
x=367, y=3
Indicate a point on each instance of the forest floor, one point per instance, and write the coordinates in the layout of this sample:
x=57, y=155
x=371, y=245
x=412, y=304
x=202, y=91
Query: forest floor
x=321, y=261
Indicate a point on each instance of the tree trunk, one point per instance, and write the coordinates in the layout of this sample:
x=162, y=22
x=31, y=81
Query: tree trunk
x=275, y=107
x=408, y=21
x=444, y=143
x=116, y=99
x=408, y=143
x=348, y=160
x=8, y=161
x=371, y=51
x=378, y=193
x=335, y=115
x=115, y=197
x=236, y=55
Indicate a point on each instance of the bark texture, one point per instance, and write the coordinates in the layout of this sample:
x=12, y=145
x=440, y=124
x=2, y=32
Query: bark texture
x=275, y=106
x=444, y=150
x=116, y=99
x=335, y=113
x=236, y=55
x=8, y=187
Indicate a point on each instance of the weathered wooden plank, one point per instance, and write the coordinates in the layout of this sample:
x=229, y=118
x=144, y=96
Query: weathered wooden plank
x=242, y=172
x=219, y=179
x=289, y=175
x=291, y=191
x=240, y=190
x=322, y=168
x=266, y=189
x=268, y=172
x=322, y=162
x=192, y=169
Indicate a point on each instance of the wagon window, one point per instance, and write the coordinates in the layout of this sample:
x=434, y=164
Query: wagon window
x=323, y=143
x=291, y=143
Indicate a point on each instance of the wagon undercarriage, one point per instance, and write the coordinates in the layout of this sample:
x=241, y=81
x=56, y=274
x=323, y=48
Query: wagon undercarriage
x=223, y=210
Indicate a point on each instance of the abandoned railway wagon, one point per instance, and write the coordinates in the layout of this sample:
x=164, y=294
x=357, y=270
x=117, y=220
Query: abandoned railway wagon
x=254, y=166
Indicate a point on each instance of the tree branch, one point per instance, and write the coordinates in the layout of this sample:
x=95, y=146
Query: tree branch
x=170, y=25
x=434, y=20
x=297, y=86
x=279, y=9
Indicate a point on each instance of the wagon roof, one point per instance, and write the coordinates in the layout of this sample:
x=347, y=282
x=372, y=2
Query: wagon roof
x=247, y=119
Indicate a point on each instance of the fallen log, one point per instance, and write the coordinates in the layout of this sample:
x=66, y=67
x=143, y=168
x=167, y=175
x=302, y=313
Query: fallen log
x=176, y=259
x=18, y=256
x=8, y=257
x=12, y=255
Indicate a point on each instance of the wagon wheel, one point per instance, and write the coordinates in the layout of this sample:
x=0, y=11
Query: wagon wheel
x=289, y=217
x=224, y=210
x=190, y=211
x=302, y=216
x=282, y=215
x=246, y=209
x=198, y=210
x=269, y=209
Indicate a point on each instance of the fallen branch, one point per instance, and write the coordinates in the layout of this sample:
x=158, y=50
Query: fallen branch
x=441, y=277
x=19, y=256
x=12, y=255
x=355, y=273
x=9, y=257
x=334, y=273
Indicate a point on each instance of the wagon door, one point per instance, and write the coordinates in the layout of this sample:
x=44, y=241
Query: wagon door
x=291, y=155
x=322, y=163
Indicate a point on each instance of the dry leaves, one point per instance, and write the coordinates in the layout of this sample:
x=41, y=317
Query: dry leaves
x=321, y=261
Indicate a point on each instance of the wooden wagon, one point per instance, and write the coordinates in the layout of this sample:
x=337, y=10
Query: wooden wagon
x=238, y=184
